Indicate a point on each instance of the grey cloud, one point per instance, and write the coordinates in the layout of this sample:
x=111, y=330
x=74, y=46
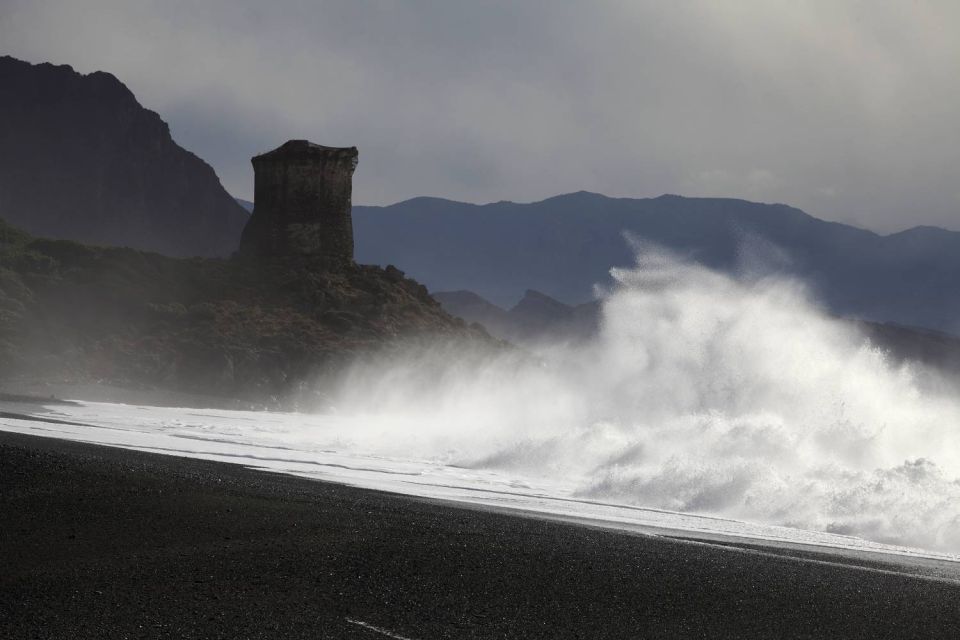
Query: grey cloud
x=845, y=109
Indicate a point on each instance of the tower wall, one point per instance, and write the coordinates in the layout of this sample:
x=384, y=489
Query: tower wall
x=302, y=203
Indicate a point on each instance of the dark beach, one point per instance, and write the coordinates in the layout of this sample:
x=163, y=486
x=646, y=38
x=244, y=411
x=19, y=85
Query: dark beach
x=99, y=542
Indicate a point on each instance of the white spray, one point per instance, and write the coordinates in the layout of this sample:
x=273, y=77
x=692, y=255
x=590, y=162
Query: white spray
x=701, y=393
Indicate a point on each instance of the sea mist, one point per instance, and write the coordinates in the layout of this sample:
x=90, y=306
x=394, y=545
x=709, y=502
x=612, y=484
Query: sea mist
x=702, y=392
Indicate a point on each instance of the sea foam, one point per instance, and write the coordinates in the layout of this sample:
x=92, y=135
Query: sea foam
x=702, y=392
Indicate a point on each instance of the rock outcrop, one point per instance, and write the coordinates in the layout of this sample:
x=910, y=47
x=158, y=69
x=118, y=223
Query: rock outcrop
x=81, y=159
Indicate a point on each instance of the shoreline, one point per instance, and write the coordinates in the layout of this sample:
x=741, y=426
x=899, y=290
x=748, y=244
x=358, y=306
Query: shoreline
x=107, y=542
x=147, y=428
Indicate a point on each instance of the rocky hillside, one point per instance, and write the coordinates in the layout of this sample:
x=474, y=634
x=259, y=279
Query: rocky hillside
x=81, y=159
x=76, y=313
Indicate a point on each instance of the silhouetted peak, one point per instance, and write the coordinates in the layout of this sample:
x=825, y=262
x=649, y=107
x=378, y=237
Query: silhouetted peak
x=579, y=197
x=536, y=301
x=9, y=62
x=923, y=231
x=107, y=82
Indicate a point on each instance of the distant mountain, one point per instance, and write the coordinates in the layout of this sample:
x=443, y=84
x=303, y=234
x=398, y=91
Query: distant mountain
x=473, y=308
x=565, y=245
x=246, y=204
x=536, y=318
x=81, y=159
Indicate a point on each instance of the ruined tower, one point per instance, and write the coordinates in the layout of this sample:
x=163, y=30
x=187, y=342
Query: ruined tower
x=302, y=202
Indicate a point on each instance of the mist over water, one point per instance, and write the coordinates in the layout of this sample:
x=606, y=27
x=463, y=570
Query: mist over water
x=702, y=392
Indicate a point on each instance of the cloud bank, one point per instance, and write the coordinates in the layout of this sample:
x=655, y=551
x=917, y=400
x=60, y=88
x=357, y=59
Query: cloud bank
x=845, y=109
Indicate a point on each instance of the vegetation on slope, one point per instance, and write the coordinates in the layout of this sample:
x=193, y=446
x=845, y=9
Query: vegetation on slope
x=230, y=327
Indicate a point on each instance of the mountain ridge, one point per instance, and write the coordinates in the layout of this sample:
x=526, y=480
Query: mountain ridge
x=565, y=245
x=83, y=160
x=664, y=196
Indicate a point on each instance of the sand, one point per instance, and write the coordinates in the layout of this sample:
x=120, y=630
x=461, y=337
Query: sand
x=99, y=542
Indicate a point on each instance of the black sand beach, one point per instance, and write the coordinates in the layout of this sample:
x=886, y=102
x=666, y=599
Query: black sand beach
x=106, y=543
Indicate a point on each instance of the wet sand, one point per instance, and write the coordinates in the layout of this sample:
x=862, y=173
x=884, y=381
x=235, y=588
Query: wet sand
x=98, y=542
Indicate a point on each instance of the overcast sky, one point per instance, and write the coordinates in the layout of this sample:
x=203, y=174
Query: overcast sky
x=847, y=109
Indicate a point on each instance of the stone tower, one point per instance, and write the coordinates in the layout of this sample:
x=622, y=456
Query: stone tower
x=302, y=202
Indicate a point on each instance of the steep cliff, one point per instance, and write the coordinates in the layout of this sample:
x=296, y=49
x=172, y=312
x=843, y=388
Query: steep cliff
x=81, y=159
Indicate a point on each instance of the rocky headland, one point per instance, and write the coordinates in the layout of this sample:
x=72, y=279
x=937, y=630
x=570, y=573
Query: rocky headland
x=266, y=330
